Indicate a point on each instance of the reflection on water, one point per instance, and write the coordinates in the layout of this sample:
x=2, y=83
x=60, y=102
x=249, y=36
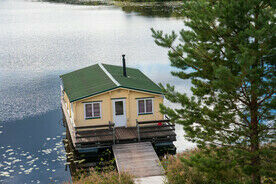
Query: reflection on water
x=148, y=9
x=159, y=9
x=38, y=42
x=82, y=2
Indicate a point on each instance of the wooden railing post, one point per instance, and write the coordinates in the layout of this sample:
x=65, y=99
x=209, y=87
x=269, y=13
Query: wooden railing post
x=114, y=138
x=112, y=127
x=138, y=130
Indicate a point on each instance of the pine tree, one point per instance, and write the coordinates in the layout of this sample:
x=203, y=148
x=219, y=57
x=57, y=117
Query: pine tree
x=227, y=50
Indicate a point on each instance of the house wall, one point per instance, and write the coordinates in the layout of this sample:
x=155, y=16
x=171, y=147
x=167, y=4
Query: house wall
x=107, y=109
x=67, y=102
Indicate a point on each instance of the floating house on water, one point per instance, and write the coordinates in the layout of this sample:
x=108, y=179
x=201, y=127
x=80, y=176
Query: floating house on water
x=106, y=104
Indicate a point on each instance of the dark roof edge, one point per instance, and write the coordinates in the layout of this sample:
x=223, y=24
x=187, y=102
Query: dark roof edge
x=155, y=92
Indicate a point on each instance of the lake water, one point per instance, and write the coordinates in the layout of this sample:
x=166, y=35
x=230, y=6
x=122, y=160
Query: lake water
x=40, y=41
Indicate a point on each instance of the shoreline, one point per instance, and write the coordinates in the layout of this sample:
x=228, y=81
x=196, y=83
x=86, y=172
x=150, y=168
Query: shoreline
x=144, y=8
x=168, y=3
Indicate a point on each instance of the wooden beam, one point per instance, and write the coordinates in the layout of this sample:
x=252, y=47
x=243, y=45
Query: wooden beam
x=94, y=126
x=160, y=130
x=153, y=121
x=156, y=126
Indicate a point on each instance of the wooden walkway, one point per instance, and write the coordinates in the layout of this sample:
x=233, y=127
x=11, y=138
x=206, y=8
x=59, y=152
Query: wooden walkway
x=139, y=159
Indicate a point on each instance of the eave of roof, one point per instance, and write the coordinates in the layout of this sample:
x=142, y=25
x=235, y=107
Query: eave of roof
x=81, y=98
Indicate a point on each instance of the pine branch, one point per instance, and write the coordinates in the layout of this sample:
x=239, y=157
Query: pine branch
x=243, y=101
x=225, y=39
x=232, y=146
x=266, y=97
x=180, y=55
x=243, y=86
x=241, y=114
x=267, y=128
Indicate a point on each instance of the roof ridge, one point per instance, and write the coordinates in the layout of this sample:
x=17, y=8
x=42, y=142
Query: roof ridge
x=108, y=74
x=120, y=66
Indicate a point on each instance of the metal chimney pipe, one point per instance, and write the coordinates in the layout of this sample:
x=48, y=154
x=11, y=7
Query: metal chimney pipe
x=124, y=65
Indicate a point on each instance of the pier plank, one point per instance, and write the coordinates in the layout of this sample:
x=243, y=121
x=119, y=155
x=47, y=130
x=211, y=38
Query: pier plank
x=139, y=159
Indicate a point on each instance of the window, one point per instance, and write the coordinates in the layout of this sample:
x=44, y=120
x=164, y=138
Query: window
x=145, y=106
x=119, y=108
x=92, y=110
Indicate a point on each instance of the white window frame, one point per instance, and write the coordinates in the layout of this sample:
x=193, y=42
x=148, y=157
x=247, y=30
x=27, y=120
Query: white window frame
x=92, y=117
x=145, y=106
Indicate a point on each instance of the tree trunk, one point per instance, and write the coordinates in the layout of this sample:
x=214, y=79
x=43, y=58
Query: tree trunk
x=255, y=157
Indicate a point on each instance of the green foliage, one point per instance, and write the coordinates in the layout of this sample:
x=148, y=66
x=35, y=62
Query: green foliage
x=112, y=177
x=146, y=0
x=106, y=162
x=179, y=170
x=79, y=2
x=227, y=50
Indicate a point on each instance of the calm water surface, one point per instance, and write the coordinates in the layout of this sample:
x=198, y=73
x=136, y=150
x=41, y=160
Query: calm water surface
x=40, y=41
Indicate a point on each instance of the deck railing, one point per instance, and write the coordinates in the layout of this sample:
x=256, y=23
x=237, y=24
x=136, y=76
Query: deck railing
x=96, y=131
x=154, y=126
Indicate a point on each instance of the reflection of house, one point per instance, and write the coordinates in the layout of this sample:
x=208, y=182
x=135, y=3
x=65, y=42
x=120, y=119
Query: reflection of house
x=104, y=96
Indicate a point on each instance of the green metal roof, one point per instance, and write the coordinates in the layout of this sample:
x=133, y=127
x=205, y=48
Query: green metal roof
x=135, y=79
x=99, y=78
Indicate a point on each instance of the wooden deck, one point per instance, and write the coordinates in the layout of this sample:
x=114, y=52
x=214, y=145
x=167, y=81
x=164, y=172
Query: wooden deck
x=138, y=159
x=107, y=135
x=122, y=135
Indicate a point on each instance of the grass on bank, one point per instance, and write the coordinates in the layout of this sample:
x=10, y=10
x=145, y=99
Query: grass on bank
x=111, y=177
x=177, y=171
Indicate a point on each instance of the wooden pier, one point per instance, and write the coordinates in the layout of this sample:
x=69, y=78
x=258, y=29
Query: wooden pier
x=138, y=159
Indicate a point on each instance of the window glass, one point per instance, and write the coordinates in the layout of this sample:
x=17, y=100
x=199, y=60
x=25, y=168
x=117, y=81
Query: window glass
x=141, y=106
x=119, y=108
x=88, y=110
x=149, y=106
x=145, y=106
x=96, y=109
x=92, y=110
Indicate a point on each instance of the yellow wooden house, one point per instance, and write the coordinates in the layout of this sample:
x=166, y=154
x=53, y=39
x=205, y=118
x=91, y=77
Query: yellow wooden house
x=101, y=94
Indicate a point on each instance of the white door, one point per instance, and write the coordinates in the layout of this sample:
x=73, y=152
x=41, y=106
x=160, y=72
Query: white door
x=119, y=112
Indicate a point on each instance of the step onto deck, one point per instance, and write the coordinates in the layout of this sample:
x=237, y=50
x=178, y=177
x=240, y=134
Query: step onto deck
x=139, y=159
x=151, y=180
